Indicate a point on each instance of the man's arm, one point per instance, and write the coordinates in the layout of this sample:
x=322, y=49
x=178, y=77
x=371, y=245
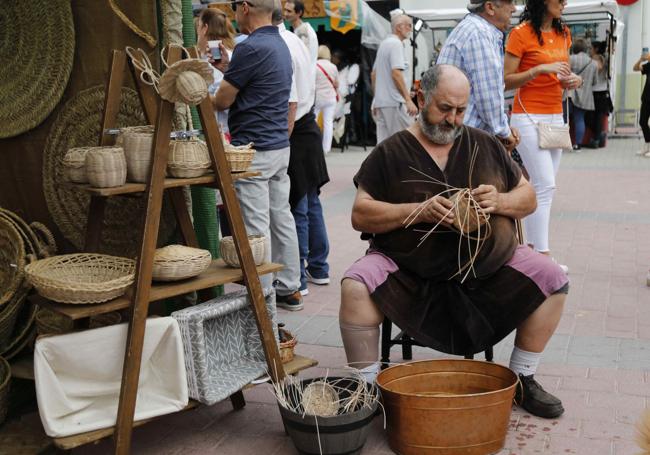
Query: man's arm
x=373, y=76
x=397, y=75
x=516, y=203
x=377, y=217
x=293, y=107
x=225, y=96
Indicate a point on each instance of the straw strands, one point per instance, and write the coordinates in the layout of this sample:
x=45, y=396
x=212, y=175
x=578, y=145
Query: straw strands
x=470, y=219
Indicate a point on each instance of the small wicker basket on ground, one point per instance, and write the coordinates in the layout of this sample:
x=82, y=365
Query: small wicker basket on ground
x=229, y=253
x=137, y=152
x=81, y=278
x=188, y=159
x=287, y=345
x=178, y=262
x=5, y=378
x=106, y=167
x=239, y=157
x=74, y=164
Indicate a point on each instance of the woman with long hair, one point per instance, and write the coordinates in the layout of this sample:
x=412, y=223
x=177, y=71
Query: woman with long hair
x=602, y=100
x=537, y=65
x=643, y=65
x=213, y=24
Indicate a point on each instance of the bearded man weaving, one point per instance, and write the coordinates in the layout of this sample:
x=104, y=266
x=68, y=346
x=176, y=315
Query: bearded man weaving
x=457, y=293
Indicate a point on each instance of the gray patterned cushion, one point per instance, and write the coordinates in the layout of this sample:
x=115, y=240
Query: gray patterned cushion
x=223, y=349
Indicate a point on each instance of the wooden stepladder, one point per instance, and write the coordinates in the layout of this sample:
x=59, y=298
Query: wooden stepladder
x=159, y=113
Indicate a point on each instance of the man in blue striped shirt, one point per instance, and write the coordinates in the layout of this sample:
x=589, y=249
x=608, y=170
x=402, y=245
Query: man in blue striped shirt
x=476, y=47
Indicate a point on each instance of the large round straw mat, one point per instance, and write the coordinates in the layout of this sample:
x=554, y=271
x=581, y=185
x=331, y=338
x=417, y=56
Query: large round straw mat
x=78, y=125
x=12, y=261
x=37, y=51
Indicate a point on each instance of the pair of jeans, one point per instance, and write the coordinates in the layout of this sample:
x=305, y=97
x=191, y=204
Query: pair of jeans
x=542, y=166
x=312, y=237
x=264, y=202
x=578, y=119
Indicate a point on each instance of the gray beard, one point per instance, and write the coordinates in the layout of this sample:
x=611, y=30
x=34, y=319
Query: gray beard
x=437, y=134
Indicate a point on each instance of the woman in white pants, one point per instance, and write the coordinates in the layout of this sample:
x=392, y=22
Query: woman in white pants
x=536, y=63
x=327, y=77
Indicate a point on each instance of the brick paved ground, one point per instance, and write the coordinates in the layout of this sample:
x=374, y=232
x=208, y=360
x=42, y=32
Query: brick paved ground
x=597, y=362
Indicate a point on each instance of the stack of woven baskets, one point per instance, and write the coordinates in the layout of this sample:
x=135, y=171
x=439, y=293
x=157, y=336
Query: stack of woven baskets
x=20, y=244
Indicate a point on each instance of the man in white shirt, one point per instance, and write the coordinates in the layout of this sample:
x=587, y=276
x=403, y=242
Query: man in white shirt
x=307, y=169
x=392, y=107
x=293, y=12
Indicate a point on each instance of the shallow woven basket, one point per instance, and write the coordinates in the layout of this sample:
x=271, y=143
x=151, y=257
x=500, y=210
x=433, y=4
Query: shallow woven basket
x=188, y=159
x=51, y=323
x=12, y=260
x=5, y=378
x=74, y=164
x=81, y=278
x=106, y=167
x=239, y=160
x=229, y=253
x=287, y=347
x=9, y=315
x=178, y=262
x=137, y=152
x=467, y=219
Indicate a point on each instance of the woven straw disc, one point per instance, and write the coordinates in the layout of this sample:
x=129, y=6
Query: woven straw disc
x=320, y=399
x=78, y=125
x=12, y=261
x=37, y=48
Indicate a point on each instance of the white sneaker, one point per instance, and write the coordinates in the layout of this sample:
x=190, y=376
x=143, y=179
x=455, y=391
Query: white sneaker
x=304, y=292
x=319, y=281
x=645, y=150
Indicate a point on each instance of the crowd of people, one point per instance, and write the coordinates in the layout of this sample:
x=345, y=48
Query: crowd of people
x=457, y=291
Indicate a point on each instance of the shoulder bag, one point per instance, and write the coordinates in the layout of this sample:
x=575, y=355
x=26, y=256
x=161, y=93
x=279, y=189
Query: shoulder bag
x=329, y=78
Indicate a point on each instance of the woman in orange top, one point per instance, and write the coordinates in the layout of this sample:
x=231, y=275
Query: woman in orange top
x=536, y=63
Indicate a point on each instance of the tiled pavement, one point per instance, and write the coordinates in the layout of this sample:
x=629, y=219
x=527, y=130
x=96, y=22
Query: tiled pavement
x=597, y=363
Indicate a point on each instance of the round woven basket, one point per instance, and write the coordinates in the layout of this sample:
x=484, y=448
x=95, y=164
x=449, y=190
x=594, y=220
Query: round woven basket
x=119, y=140
x=51, y=323
x=229, y=253
x=12, y=261
x=178, y=262
x=137, y=150
x=5, y=378
x=37, y=46
x=74, y=164
x=106, y=167
x=186, y=81
x=78, y=124
x=9, y=315
x=239, y=160
x=33, y=235
x=188, y=159
x=81, y=278
x=24, y=330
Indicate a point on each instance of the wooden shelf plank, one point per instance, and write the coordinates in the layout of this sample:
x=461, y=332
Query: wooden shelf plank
x=218, y=273
x=70, y=442
x=131, y=188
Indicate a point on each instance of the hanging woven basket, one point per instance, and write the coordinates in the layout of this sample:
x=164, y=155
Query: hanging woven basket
x=186, y=81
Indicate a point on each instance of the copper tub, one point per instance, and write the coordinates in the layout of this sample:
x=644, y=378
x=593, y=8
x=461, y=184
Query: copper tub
x=447, y=406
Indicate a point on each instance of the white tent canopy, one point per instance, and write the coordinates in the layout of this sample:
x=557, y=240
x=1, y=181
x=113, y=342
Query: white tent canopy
x=573, y=8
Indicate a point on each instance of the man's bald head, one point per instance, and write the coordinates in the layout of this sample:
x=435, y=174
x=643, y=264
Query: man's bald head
x=443, y=77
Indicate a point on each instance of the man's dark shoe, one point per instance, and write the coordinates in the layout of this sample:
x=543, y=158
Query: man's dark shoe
x=533, y=398
x=291, y=302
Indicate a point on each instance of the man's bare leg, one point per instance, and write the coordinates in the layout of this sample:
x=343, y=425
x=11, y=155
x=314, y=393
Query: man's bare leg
x=534, y=333
x=359, y=319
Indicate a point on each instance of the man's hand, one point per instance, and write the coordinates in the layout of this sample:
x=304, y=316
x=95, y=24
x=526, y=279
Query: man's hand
x=437, y=209
x=488, y=198
x=411, y=108
x=511, y=141
x=222, y=64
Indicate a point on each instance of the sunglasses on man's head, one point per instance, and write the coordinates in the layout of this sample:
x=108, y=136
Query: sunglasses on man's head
x=234, y=4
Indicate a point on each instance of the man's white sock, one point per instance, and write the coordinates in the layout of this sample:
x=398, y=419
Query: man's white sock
x=370, y=372
x=524, y=362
